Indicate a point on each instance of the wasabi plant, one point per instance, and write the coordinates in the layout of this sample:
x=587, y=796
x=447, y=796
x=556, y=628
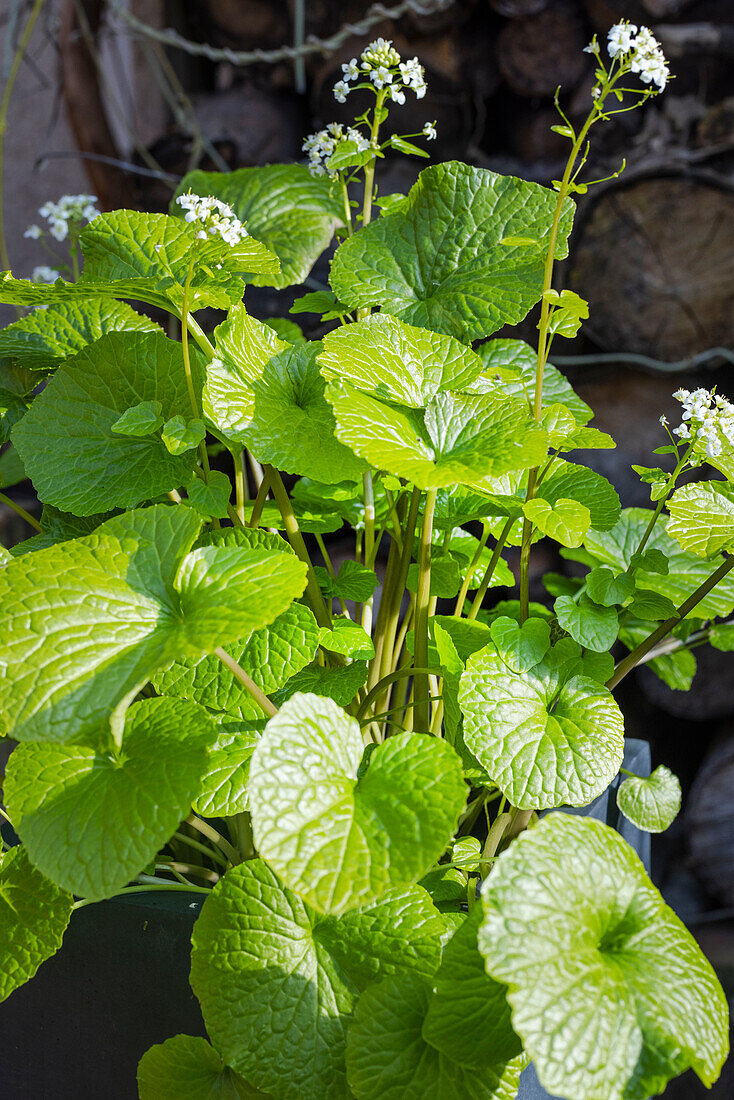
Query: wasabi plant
x=352, y=764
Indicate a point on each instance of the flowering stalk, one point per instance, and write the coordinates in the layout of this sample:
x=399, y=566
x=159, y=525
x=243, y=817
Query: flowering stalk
x=631, y=51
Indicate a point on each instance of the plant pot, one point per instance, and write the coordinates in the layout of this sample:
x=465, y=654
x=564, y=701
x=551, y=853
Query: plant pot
x=121, y=984
x=604, y=808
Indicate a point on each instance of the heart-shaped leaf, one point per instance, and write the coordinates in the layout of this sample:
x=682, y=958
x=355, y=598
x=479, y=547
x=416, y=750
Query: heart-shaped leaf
x=91, y=821
x=186, y=1067
x=342, y=839
x=83, y=625
x=591, y=625
x=651, y=803
x=438, y=262
x=547, y=736
x=276, y=980
x=69, y=442
x=566, y=521
x=388, y=1057
x=610, y=993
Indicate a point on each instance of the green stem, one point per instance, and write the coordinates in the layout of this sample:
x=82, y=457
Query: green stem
x=245, y=842
x=635, y=657
x=187, y=364
x=669, y=486
x=4, y=109
x=20, y=511
x=369, y=541
x=422, y=711
x=486, y=579
x=463, y=591
x=199, y=847
x=211, y=833
x=144, y=890
x=239, y=484
x=318, y=606
x=247, y=682
x=380, y=686
x=176, y=866
x=257, y=508
x=347, y=207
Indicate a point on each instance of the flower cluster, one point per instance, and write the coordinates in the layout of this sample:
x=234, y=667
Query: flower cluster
x=321, y=145
x=382, y=65
x=638, y=50
x=45, y=274
x=215, y=217
x=78, y=209
x=706, y=418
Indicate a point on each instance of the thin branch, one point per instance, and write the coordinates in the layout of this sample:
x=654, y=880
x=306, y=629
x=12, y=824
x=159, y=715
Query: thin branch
x=374, y=14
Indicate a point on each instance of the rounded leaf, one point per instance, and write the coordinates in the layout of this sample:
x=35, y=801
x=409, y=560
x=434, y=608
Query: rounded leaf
x=650, y=803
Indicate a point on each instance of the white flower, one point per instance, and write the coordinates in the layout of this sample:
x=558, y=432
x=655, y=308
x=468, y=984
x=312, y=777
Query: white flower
x=216, y=218
x=322, y=144
x=707, y=417
x=593, y=46
x=380, y=53
x=664, y=421
x=420, y=90
x=33, y=231
x=341, y=91
x=351, y=70
x=430, y=130
x=619, y=38
x=397, y=95
x=69, y=208
x=45, y=274
x=381, y=76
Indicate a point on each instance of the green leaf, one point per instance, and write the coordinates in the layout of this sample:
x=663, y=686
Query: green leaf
x=407, y=147
x=567, y=312
x=91, y=821
x=521, y=646
x=319, y=301
x=651, y=561
x=224, y=791
x=12, y=470
x=513, y=364
x=591, y=625
x=338, y=840
x=284, y=206
x=606, y=985
x=588, y=488
x=134, y=252
x=270, y=656
x=34, y=914
x=388, y=1057
x=68, y=443
x=348, y=638
x=607, y=588
x=651, y=605
x=651, y=803
x=84, y=625
x=141, y=419
x=721, y=636
x=286, y=330
x=468, y=1017
x=187, y=1067
x=276, y=980
x=338, y=684
x=211, y=497
x=702, y=517
x=547, y=736
x=676, y=669
x=460, y=437
x=270, y=396
x=445, y=576
x=45, y=339
x=348, y=155
x=438, y=263
x=396, y=362
x=180, y=435
x=310, y=520
x=353, y=581
x=687, y=571
x=565, y=520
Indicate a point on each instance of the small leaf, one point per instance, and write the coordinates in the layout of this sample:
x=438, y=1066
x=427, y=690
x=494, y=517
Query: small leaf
x=702, y=517
x=650, y=803
x=521, y=646
x=407, y=147
x=210, y=497
x=180, y=435
x=591, y=625
x=348, y=638
x=608, y=589
x=721, y=636
x=566, y=521
x=140, y=420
